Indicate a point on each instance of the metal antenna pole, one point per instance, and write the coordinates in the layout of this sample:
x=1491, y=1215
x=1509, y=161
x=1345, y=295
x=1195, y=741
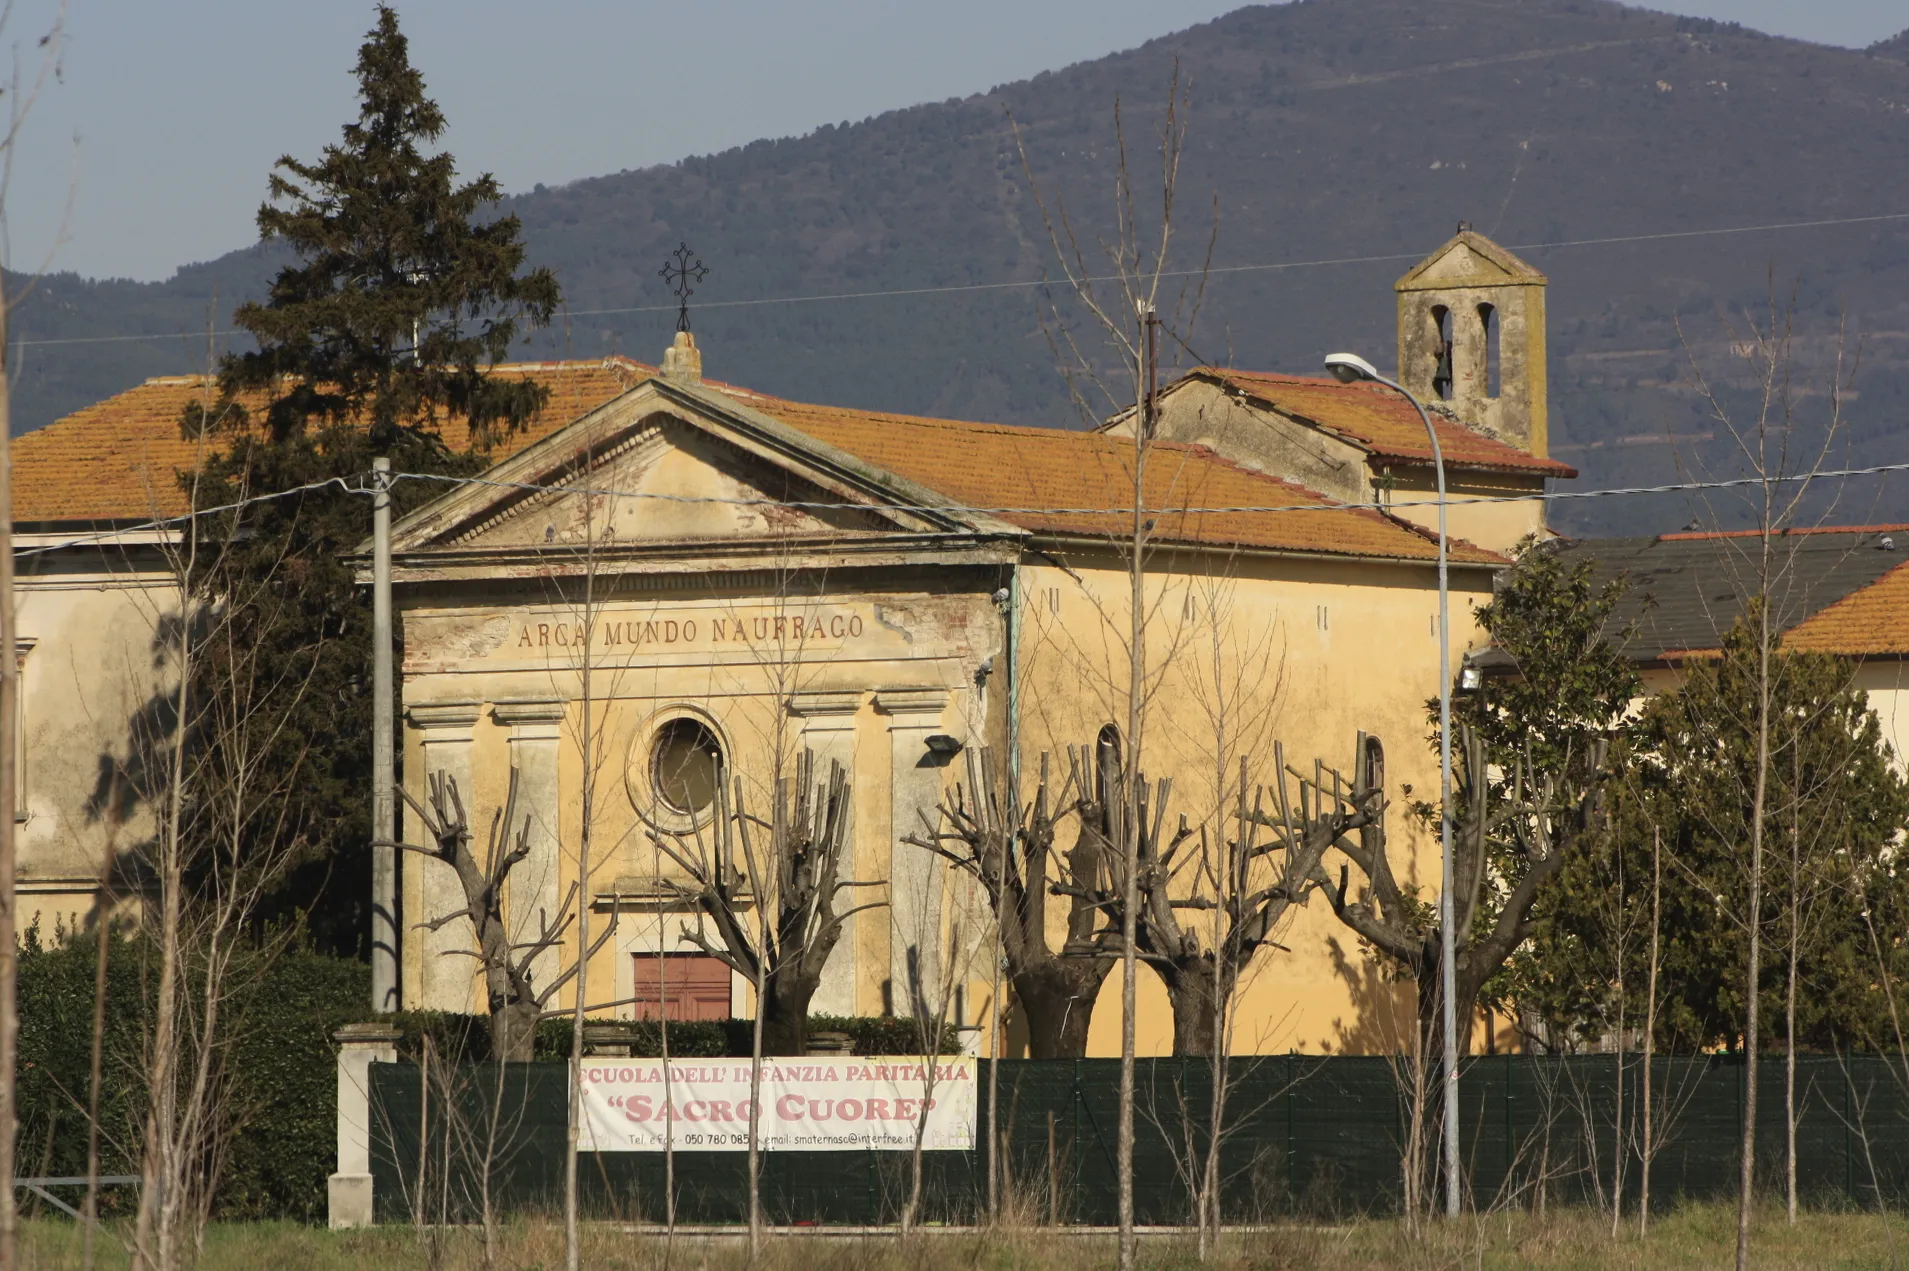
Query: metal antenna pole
x=384, y=853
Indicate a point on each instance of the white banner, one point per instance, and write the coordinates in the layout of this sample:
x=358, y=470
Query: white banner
x=807, y=1104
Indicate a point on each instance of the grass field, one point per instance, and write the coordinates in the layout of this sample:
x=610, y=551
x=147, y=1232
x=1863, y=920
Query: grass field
x=1695, y=1236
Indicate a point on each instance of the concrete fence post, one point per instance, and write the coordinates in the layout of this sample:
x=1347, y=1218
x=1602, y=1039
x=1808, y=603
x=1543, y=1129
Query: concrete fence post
x=348, y=1192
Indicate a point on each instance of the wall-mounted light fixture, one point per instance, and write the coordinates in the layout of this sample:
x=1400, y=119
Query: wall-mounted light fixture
x=943, y=744
x=1471, y=676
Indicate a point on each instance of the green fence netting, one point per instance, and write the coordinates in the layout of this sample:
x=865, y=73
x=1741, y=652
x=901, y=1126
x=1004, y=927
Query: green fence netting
x=1305, y=1135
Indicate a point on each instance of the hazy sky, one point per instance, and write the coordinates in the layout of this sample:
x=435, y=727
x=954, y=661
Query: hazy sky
x=166, y=117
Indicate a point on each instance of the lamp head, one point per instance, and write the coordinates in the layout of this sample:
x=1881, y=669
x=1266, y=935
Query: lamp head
x=1350, y=368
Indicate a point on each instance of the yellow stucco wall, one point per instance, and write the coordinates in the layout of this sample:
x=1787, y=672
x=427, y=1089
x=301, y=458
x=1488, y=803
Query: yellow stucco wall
x=1244, y=653
x=88, y=621
x=1491, y=510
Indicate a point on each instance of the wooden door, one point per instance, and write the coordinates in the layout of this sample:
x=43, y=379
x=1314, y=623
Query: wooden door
x=681, y=986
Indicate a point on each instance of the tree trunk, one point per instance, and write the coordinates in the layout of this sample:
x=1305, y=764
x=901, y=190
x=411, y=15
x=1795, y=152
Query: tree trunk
x=1193, y=988
x=785, y=1018
x=1467, y=984
x=514, y=1032
x=1058, y=1002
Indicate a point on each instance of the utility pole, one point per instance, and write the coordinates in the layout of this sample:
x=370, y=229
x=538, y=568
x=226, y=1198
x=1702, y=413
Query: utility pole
x=9, y=800
x=384, y=829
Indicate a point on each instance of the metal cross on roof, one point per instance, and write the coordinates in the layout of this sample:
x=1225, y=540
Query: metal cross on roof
x=679, y=271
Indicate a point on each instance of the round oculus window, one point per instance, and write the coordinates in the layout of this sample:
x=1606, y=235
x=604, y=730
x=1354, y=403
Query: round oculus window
x=686, y=764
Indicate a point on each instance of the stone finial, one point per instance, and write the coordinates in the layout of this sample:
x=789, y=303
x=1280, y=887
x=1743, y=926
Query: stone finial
x=683, y=360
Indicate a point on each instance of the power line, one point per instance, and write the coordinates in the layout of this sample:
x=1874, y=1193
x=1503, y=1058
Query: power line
x=1025, y=284
x=343, y=483
x=162, y=522
x=1032, y=283
x=1880, y=469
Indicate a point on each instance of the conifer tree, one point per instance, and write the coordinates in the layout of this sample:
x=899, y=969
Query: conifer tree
x=404, y=291
x=1835, y=792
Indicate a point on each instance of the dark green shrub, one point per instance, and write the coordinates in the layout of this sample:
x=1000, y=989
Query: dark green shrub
x=277, y=1060
x=466, y=1038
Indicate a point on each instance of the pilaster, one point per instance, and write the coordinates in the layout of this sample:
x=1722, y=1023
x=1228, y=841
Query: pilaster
x=914, y=881
x=536, y=730
x=443, y=978
x=828, y=731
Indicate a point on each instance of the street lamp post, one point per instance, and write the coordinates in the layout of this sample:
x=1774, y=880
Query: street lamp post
x=1349, y=368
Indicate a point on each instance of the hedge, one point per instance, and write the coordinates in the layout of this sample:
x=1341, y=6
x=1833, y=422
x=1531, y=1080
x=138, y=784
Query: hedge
x=279, y=1061
x=277, y=1058
x=466, y=1038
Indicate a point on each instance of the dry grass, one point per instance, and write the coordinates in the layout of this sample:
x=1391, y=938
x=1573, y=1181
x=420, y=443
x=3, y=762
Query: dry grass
x=1696, y=1236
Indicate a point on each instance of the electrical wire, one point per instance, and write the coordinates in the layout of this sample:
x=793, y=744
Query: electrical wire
x=1032, y=283
x=1880, y=469
x=345, y=485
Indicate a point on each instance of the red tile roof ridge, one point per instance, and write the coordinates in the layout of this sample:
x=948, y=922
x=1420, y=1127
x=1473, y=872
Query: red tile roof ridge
x=1496, y=453
x=516, y=367
x=1431, y=536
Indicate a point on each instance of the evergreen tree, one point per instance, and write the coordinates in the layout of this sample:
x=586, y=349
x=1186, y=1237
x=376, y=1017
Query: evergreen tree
x=1835, y=795
x=402, y=296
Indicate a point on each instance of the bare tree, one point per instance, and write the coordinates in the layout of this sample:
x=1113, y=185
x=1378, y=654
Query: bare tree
x=1122, y=294
x=931, y=1026
x=220, y=761
x=21, y=98
x=1006, y=843
x=1780, y=452
x=1253, y=877
x=797, y=877
x=515, y=1001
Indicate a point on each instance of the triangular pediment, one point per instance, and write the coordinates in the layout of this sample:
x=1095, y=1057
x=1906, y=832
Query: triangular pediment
x=1469, y=259
x=667, y=481
x=670, y=463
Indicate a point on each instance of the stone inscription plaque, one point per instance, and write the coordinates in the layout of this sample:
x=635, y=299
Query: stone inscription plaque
x=721, y=632
x=692, y=629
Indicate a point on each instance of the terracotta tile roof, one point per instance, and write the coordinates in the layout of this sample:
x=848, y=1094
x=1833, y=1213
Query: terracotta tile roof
x=1000, y=466
x=1871, y=621
x=1379, y=421
x=116, y=460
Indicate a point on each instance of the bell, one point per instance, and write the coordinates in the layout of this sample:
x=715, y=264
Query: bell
x=1442, y=376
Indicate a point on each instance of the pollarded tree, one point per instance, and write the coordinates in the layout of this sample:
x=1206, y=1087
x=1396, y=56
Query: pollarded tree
x=1007, y=844
x=788, y=868
x=1531, y=778
x=515, y=1000
x=1242, y=886
x=403, y=294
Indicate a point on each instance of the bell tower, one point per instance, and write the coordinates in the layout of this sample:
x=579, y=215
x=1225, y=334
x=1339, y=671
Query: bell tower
x=1471, y=338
